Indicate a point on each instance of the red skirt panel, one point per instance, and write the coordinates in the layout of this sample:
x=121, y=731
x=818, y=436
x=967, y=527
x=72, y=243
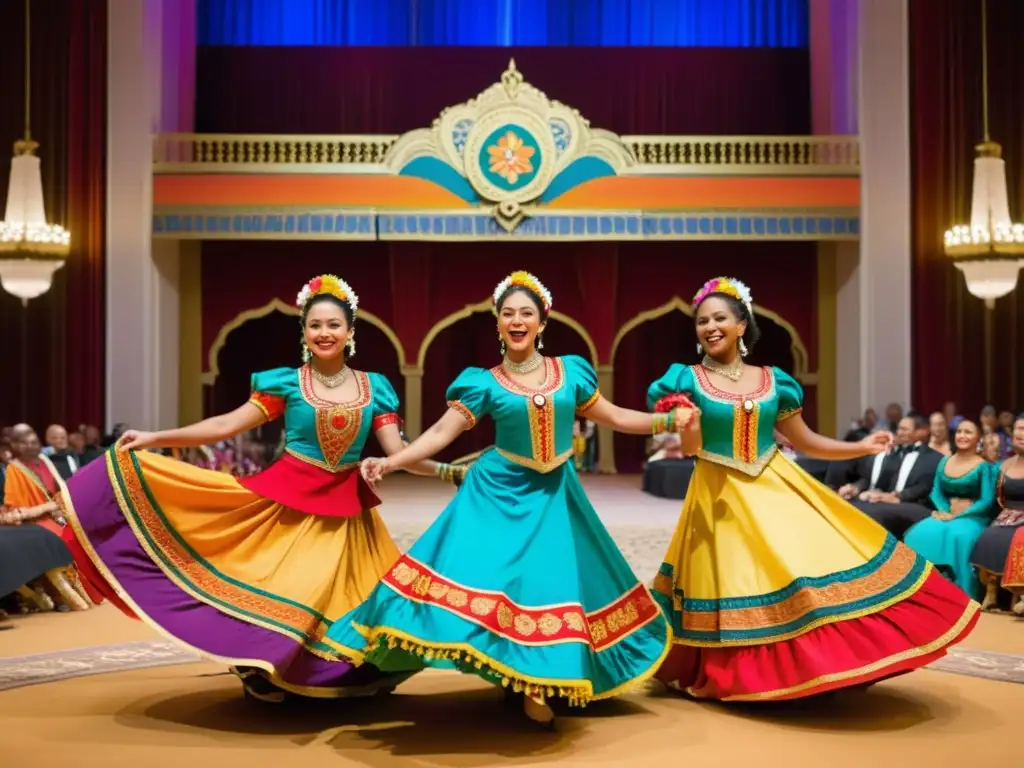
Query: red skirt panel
x=307, y=488
x=903, y=637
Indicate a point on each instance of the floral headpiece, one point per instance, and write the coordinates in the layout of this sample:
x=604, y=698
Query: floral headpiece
x=526, y=280
x=730, y=286
x=327, y=285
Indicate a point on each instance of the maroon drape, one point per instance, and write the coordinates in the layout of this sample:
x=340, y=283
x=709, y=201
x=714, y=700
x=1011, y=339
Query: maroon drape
x=949, y=323
x=51, y=354
x=393, y=90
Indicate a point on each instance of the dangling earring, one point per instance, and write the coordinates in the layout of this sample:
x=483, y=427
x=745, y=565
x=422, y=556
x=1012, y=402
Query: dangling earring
x=743, y=348
x=700, y=349
x=306, y=354
x=502, y=347
x=350, y=345
x=540, y=341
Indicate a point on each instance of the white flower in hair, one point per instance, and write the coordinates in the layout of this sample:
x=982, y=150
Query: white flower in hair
x=526, y=280
x=328, y=285
x=744, y=292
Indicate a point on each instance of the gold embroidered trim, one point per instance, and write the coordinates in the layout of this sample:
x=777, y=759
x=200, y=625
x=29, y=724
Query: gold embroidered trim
x=553, y=381
x=538, y=466
x=496, y=612
x=783, y=415
x=753, y=468
x=894, y=570
x=318, y=463
x=587, y=404
x=820, y=622
x=576, y=691
x=463, y=409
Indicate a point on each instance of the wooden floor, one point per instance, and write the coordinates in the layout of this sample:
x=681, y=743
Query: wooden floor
x=192, y=715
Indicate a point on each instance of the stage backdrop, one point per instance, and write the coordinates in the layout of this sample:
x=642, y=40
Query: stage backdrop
x=413, y=287
x=754, y=23
x=949, y=323
x=51, y=354
x=614, y=304
x=393, y=90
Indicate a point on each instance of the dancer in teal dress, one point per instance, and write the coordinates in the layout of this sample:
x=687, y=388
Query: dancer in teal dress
x=964, y=497
x=517, y=580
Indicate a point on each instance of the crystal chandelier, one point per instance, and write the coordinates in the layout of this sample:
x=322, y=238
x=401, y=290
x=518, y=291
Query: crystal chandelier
x=989, y=250
x=31, y=250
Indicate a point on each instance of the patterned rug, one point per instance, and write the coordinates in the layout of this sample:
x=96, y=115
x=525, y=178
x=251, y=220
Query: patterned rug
x=20, y=671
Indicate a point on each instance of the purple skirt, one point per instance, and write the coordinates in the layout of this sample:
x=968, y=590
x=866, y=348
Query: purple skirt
x=127, y=568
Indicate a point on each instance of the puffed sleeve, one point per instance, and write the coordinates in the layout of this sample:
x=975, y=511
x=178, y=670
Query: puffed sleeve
x=583, y=379
x=269, y=391
x=385, y=402
x=468, y=394
x=677, y=380
x=791, y=394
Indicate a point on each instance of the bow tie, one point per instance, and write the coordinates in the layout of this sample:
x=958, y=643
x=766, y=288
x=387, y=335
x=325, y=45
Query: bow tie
x=906, y=450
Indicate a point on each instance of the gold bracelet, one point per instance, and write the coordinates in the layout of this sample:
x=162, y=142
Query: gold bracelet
x=659, y=425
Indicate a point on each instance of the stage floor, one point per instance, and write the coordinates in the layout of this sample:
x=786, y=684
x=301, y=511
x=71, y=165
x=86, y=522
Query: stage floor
x=192, y=714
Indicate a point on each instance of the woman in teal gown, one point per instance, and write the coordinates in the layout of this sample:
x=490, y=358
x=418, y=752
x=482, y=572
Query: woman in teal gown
x=964, y=497
x=517, y=580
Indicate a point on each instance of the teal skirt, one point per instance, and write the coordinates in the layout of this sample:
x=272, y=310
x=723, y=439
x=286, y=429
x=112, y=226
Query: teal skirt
x=517, y=581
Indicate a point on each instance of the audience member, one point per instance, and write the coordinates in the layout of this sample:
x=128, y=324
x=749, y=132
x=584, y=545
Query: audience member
x=64, y=458
x=964, y=497
x=938, y=437
x=894, y=488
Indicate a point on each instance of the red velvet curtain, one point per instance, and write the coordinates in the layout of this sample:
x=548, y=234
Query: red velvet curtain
x=393, y=90
x=946, y=110
x=51, y=354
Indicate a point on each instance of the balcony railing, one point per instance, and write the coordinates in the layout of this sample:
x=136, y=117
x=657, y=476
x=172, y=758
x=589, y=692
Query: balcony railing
x=655, y=155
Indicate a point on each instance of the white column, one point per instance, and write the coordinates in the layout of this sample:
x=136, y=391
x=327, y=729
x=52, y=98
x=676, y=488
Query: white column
x=860, y=83
x=883, y=283
x=150, y=78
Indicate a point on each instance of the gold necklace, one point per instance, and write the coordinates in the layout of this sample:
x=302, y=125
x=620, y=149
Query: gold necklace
x=530, y=364
x=331, y=382
x=733, y=371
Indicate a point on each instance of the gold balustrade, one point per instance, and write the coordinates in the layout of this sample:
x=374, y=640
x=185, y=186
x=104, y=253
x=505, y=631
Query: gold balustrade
x=703, y=155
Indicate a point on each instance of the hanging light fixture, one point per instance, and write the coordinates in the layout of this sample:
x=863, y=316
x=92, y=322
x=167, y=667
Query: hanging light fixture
x=989, y=250
x=31, y=250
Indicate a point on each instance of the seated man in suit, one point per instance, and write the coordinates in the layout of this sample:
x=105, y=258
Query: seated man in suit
x=896, y=491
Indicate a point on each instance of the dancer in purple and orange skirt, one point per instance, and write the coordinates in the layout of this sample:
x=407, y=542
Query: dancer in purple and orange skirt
x=253, y=571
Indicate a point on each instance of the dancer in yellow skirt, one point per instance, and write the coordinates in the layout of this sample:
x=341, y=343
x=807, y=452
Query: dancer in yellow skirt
x=776, y=588
x=253, y=571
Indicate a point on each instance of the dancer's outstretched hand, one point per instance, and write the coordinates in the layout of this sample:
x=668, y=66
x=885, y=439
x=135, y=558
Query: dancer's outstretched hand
x=373, y=470
x=687, y=418
x=877, y=442
x=134, y=440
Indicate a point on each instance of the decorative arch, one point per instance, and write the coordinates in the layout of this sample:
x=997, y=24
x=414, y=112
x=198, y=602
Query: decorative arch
x=486, y=306
x=798, y=348
x=277, y=305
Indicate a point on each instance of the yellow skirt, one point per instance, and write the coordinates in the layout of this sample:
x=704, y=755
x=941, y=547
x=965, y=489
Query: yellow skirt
x=230, y=573
x=777, y=588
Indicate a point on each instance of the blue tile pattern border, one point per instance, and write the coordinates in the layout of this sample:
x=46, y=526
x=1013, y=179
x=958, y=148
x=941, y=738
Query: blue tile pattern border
x=480, y=225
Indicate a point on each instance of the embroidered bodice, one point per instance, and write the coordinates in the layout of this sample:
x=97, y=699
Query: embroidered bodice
x=978, y=485
x=534, y=427
x=322, y=433
x=737, y=431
